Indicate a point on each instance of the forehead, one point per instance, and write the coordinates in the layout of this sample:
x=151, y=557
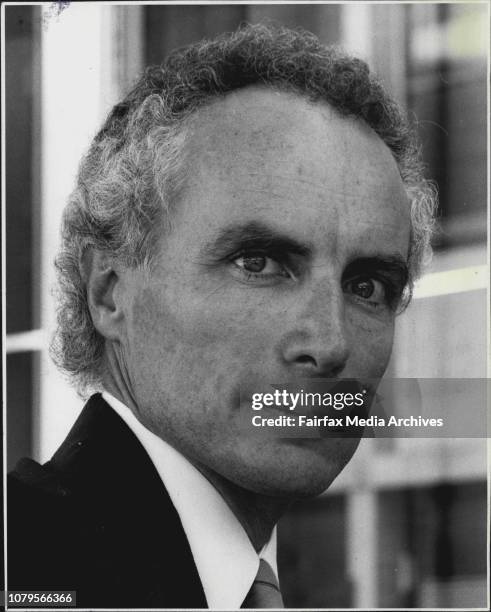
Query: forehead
x=262, y=122
x=260, y=153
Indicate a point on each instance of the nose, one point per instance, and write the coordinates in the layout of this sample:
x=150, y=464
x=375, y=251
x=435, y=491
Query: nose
x=317, y=343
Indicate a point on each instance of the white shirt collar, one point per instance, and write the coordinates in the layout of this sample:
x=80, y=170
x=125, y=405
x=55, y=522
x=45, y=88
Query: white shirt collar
x=225, y=558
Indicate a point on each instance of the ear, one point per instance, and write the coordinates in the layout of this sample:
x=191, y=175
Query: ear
x=102, y=278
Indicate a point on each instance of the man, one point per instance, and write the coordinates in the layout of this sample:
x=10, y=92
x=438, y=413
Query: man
x=254, y=211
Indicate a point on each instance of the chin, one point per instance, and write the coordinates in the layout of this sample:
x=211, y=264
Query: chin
x=299, y=468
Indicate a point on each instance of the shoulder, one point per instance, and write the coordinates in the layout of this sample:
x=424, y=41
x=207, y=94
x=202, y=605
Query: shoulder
x=40, y=519
x=97, y=519
x=37, y=491
x=57, y=513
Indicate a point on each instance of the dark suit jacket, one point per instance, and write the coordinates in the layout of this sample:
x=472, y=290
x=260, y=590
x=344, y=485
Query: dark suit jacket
x=97, y=520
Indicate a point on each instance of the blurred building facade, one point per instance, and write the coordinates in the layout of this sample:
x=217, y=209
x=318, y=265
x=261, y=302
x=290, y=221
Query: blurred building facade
x=405, y=523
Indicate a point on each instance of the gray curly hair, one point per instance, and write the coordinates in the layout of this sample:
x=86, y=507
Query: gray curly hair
x=134, y=168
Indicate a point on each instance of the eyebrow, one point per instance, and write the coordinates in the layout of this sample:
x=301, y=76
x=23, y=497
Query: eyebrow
x=249, y=236
x=390, y=264
x=256, y=235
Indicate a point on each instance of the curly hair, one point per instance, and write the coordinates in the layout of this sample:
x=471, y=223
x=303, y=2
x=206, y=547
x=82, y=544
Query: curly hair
x=135, y=166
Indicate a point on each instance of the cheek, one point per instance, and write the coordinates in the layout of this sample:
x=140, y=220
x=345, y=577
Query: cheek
x=202, y=344
x=223, y=326
x=371, y=343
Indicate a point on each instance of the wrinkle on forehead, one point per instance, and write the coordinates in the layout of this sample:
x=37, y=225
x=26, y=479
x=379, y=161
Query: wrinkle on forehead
x=264, y=153
x=245, y=129
x=264, y=117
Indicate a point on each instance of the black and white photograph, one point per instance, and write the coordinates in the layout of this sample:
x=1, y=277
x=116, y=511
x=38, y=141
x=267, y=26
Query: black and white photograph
x=246, y=305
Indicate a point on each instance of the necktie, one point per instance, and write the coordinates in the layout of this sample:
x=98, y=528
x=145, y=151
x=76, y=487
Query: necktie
x=265, y=591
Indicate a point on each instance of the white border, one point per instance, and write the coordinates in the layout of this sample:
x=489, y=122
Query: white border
x=31, y=340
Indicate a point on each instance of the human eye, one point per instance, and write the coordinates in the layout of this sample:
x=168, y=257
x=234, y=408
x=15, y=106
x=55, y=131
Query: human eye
x=258, y=266
x=370, y=291
x=376, y=283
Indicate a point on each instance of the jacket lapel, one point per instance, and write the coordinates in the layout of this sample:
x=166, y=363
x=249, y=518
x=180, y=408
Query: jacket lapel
x=133, y=532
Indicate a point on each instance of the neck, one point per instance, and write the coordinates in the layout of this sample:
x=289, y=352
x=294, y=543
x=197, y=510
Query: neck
x=257, y=513
x=115, y=379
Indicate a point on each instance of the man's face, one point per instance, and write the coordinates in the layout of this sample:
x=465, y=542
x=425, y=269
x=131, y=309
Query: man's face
x=284, y=261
